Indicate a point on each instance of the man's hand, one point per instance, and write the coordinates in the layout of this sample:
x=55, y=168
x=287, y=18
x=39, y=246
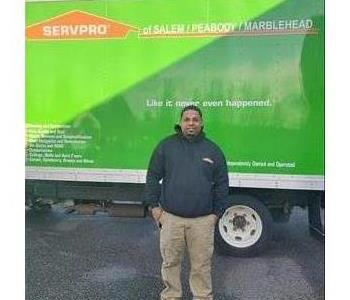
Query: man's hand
x=156, y=214
x=216, y=218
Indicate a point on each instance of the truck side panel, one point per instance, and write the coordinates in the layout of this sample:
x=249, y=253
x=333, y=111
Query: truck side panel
x=97, y=102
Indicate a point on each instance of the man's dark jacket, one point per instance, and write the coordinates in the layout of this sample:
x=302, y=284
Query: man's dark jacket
x=194, y=177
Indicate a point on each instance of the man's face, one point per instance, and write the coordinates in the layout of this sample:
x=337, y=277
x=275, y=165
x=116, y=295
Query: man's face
x=191, y=123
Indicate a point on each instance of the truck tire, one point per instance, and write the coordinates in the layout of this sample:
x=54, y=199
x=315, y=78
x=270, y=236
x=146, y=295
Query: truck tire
x=245, y=227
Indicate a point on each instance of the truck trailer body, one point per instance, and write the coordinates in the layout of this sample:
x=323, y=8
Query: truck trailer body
x=106, y=80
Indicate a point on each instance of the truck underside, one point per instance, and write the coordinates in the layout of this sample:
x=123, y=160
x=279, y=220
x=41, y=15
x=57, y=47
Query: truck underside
x=249, y=207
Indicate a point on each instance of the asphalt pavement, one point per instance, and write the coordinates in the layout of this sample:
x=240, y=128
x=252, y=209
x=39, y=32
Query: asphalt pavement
x=72, y=256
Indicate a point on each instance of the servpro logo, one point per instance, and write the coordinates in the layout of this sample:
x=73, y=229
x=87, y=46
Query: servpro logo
x=75, y=30
x=78, y=25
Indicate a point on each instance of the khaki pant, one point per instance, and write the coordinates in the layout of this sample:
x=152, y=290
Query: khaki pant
x=197, y=235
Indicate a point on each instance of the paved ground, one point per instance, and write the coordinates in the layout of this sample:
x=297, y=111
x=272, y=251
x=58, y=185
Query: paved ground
x=100, y=257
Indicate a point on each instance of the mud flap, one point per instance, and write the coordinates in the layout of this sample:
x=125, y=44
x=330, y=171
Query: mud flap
x=316, y=216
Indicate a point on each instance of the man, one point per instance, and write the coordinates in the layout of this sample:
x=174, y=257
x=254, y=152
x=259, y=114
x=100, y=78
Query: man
x=188, y=202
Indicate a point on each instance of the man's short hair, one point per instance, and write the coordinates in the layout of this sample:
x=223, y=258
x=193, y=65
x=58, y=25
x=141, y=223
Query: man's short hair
x=191, y=107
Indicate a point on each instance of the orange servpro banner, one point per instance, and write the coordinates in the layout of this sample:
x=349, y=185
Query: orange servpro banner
x=77, y=25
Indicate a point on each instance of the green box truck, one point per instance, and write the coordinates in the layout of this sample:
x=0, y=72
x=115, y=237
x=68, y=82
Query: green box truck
x=106, y=80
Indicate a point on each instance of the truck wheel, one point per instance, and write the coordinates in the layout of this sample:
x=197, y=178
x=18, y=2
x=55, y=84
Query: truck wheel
x=245, y=227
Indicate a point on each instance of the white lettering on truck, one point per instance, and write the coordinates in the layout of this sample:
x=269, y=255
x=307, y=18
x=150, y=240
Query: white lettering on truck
x=74, y=30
